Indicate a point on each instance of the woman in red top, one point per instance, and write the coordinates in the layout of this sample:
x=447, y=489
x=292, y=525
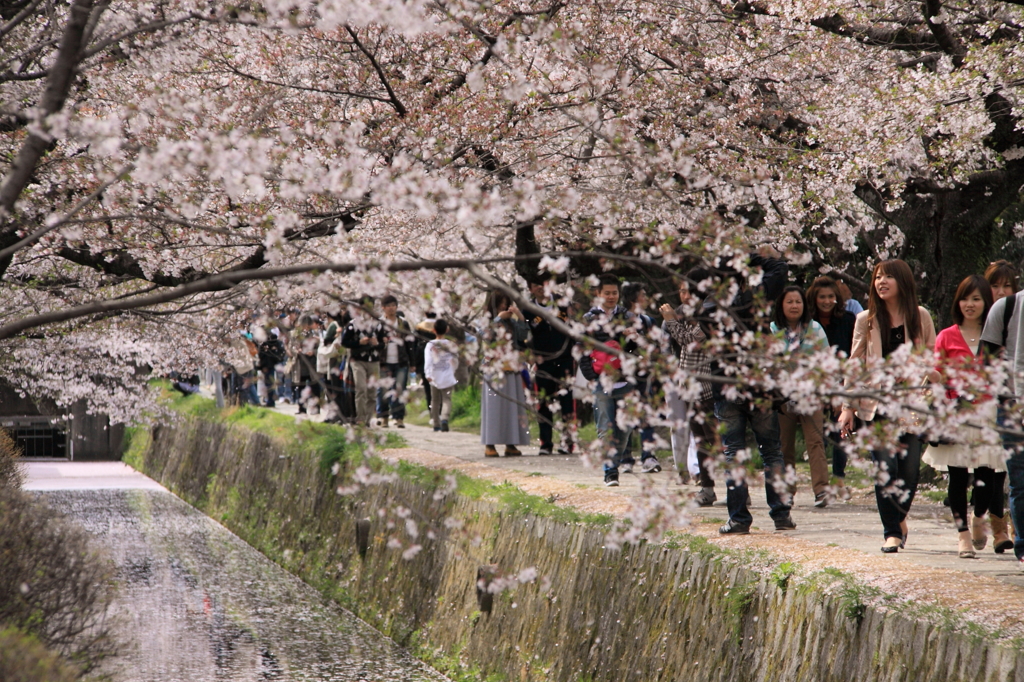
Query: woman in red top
x=958, y=346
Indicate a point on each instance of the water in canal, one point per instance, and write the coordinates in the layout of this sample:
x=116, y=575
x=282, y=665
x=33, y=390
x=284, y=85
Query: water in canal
x=197, y=604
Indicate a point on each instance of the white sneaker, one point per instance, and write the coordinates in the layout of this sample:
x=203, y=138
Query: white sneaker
x=650, y=466
x=625, y=468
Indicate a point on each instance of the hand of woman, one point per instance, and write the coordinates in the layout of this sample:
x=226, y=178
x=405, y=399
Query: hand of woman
x=846, y=422
x=667, y=312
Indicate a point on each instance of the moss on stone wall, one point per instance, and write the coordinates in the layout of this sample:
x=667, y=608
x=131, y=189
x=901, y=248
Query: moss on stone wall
x=682, y=610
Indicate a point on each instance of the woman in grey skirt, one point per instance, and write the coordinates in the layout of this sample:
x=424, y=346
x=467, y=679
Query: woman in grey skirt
x=503, y=419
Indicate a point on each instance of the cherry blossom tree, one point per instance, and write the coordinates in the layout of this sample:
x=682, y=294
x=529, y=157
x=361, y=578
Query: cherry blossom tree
x=171, y=166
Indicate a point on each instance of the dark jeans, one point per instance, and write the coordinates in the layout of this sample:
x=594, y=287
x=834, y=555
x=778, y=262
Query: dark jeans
x=736, y=417
x=270, y=384
x=552, y=378
x=840, y=455
x=705, y=433
x=392, y=406
x=1015, y=472
x=896, y=482
x=616, y=440
x=299, y=388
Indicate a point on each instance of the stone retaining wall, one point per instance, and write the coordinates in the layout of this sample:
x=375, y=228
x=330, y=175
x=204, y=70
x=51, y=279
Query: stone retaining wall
x=644, y=614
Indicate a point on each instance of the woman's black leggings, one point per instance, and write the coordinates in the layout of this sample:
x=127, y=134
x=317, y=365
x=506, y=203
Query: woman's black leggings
x=988, y=494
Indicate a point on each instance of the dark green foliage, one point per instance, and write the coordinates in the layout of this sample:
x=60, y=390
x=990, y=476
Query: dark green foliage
x=10, y=470
x=24, y=659
x=52, y=585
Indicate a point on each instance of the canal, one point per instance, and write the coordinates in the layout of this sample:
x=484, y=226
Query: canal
x=197, y=604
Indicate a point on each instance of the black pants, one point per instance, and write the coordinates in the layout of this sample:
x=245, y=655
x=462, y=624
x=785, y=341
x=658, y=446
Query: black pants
x=553, y=377
x=900, y=467
x=987, y=494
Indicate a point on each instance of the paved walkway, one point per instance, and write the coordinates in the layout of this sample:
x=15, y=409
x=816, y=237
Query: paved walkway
x=853, y=525
x=50, y=476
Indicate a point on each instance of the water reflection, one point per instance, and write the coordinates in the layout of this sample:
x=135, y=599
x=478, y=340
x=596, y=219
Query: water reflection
x=197, y=604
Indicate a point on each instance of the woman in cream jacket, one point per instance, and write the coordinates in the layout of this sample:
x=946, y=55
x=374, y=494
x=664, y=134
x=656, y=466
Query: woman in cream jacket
x=893, y=318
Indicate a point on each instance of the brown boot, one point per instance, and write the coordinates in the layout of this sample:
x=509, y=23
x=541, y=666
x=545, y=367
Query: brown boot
x=490, y=451
x=1000, y=538
x=512, y=451
x=978, y=535
x=964, y=548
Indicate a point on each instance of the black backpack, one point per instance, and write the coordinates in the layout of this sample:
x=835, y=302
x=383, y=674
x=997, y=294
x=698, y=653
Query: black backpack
x=271, y=353
x=1011, y=302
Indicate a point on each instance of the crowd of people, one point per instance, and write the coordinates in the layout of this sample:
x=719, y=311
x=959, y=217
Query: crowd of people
x=822, y=318
x=357, y=366
x=354, y=366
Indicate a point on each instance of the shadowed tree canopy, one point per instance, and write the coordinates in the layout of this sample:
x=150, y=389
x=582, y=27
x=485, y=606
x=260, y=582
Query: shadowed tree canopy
x=152, y=151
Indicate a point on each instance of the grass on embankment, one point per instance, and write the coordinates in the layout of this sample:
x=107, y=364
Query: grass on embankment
x=331, y=443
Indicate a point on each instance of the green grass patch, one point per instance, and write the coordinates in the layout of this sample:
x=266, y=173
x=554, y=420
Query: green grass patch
x=737, y=604
x=332, y=446
x=465, y=416
x=512, y=499
x=853, y=595
x=330, y=442
x=782, y=574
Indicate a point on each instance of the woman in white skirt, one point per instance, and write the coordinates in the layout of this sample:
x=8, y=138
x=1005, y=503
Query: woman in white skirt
x=958, y=347
x=503, y=418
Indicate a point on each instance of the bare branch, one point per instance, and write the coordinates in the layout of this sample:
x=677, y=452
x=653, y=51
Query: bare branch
x=392, y=97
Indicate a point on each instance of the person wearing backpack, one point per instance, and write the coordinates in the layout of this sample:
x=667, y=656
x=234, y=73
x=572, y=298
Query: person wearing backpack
x=271, y=354
x=365, y=337
x=552, y=351
x=396, y=355
x=1003, y=337
x=441, y=359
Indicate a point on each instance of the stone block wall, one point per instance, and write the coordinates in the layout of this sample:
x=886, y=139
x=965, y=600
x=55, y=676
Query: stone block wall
x=646, y=613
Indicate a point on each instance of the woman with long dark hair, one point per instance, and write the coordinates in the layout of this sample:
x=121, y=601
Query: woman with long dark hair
x=893, y=319
x=956, y=348
x=828, y=308
x=503, y=418
x=791, y=317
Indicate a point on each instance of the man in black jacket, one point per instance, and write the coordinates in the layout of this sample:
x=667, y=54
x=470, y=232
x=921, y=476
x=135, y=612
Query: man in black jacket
x=271, y=354
x=552, y=351
x=365, y=338
x=737, y=415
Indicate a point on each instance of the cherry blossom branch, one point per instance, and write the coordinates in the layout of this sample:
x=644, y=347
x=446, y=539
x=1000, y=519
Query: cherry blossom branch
x=59, y=80
x=64, y=220
x=306, y=88
x=228, y=279
x=949, y=43
x=20, y=17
